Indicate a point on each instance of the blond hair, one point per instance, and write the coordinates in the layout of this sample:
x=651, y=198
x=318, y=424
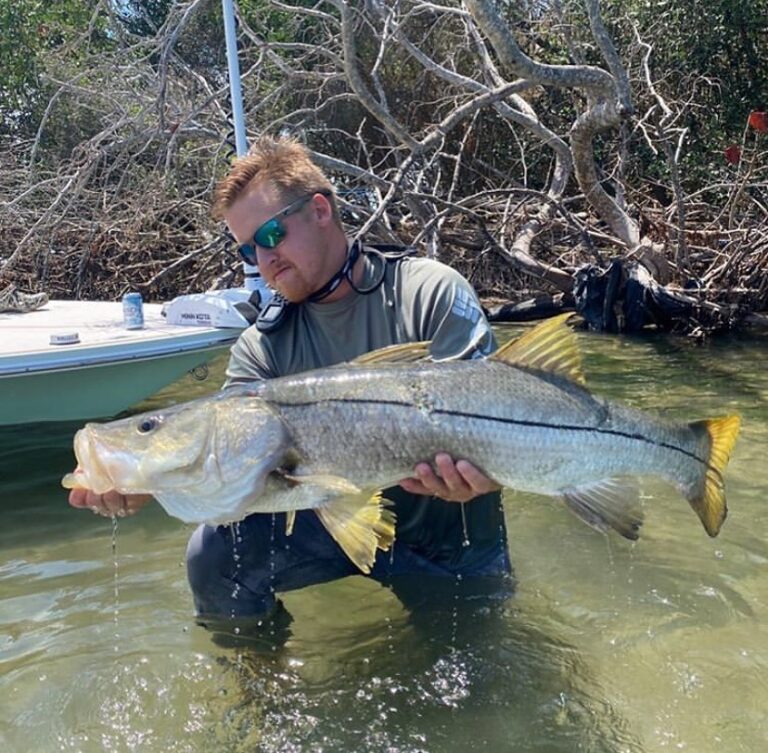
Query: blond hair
x=285, y=164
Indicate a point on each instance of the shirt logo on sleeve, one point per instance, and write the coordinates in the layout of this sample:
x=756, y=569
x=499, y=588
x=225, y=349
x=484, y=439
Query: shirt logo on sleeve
x=465, y=306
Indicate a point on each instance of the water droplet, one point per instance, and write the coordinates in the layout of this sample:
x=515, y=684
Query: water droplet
x=115, y=583
x=464, y=527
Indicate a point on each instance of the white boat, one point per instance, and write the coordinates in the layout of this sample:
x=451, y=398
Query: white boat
x=72, y=360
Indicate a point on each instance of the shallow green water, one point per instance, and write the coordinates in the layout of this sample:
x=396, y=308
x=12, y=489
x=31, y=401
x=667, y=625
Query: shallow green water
x=608, y=646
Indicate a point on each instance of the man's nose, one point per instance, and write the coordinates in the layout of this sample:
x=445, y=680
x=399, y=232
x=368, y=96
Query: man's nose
x=269, y=260
x=267, y=254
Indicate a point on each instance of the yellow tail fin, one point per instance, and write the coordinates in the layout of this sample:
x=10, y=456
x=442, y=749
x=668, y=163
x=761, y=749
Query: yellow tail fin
x=710, y=504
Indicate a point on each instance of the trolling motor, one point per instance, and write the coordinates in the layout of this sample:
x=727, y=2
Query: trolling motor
x=235, y=308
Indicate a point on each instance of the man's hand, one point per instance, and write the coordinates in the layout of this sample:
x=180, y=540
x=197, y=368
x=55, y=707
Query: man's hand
x=453, y=482
x=110, y=504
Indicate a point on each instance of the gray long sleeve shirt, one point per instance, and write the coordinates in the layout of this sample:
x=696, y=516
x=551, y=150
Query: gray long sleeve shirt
x=419, y=299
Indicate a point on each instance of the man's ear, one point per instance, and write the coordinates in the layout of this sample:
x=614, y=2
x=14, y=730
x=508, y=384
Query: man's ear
x=322, y=209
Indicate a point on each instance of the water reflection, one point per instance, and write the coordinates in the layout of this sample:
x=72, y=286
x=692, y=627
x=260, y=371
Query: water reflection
x=455, y=679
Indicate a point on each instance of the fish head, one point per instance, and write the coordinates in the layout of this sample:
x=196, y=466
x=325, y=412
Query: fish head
x=142, y=453
x=214, y=447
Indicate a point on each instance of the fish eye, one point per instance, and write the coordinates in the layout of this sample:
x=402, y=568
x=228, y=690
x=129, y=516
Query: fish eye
x=147, y=425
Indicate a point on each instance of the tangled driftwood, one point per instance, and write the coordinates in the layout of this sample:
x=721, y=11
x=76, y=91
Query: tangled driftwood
x=431, y=120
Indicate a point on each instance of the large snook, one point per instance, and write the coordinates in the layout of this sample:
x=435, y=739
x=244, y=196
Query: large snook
x=331, y=439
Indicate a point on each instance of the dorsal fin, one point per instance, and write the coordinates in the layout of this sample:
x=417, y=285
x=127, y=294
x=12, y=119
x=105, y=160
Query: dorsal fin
x=550, y=346
x=403, y=353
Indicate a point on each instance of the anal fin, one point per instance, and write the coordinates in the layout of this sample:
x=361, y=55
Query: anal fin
x=610, y=503
x=359, y=525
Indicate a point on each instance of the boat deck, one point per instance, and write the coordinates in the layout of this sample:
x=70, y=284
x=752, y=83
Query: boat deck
x=26, y=339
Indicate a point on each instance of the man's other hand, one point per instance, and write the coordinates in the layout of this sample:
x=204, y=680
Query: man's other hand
x=456, y=481
x=111, y=504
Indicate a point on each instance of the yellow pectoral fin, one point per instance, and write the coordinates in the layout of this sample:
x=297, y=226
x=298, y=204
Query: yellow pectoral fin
x=360, y=526
x=335, y=484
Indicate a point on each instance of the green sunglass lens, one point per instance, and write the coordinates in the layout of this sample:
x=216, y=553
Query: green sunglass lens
x=269, y=234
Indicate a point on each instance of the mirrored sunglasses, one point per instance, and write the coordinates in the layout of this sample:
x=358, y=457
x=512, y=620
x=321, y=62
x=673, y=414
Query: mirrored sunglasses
x=271, y=233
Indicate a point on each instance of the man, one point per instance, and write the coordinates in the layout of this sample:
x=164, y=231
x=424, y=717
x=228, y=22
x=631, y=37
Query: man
x=334, y=302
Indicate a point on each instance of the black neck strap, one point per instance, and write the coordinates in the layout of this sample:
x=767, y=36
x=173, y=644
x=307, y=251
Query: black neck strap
x=345, y=273
x=278, y=308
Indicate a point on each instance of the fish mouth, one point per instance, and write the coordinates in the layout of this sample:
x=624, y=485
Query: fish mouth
x=91, y=472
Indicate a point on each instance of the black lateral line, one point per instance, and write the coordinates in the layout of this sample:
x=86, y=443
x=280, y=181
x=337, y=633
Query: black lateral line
x=514, y=421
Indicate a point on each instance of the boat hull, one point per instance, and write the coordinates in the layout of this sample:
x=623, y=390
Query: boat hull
x=92, y=391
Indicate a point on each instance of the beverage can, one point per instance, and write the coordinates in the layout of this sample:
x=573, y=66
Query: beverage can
x=133, y=311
